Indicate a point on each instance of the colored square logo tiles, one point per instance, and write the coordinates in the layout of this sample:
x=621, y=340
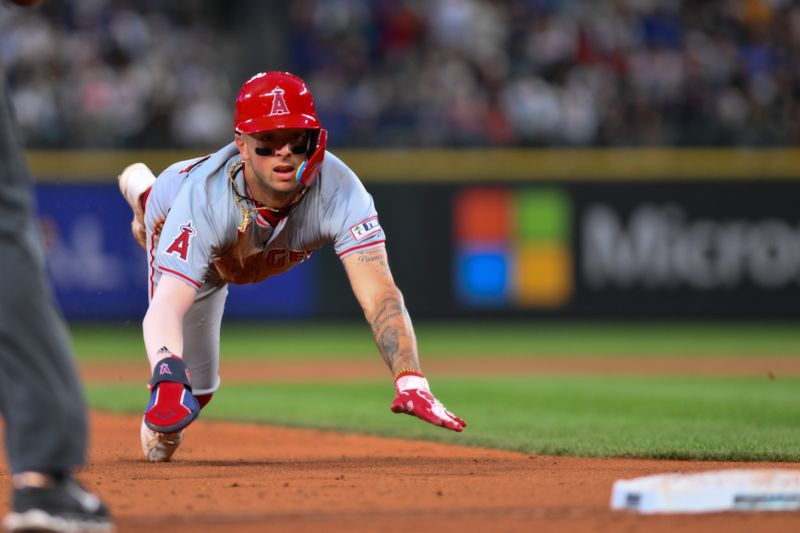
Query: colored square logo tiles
x=513, y=248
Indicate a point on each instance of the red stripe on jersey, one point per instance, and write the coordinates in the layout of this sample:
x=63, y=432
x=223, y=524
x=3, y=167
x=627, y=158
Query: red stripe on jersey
x=192, y=165
x=264, y=215
x=152, y=260
x=178, y=274
x=143, y=199
x=354, y=248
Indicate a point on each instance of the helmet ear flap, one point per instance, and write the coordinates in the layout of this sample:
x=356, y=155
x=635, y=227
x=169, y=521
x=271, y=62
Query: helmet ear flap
x=313, y=142
x=307, y=172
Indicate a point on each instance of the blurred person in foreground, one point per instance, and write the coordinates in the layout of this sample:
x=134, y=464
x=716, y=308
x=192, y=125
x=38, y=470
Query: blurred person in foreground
x=41, y=398
x=256, y=208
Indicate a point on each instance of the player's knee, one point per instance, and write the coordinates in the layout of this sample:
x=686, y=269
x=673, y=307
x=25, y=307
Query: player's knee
x=203, y=399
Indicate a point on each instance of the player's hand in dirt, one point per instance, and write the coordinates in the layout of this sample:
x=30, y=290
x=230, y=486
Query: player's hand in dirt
x=414, y=398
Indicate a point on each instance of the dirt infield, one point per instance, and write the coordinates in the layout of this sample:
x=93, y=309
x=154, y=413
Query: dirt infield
x=246, y=478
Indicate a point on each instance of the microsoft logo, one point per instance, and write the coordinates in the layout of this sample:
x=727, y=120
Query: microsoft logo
x=512, y=248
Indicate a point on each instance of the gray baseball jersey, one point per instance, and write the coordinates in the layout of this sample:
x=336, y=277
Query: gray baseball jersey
x=212, y=233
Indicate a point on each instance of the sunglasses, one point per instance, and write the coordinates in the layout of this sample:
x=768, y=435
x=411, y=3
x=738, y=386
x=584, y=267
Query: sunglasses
x=298, y=145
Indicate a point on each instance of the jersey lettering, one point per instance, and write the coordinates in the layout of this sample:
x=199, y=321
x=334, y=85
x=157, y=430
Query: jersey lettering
x=279, y=106
x=298, y=256
x=281, y=256
x=181, y=243
x=276, y=257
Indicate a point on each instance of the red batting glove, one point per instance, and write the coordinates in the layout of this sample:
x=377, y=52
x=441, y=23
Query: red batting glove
x=414, y=398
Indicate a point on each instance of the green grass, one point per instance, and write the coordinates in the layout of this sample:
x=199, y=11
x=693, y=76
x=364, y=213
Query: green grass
x=741, y=419
x=353, y=340
x=724, y=418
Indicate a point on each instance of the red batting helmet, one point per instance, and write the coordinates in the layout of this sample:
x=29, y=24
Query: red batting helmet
x=273, y=101
x=280, y=100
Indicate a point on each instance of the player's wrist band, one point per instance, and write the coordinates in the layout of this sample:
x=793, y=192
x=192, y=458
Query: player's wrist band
x=408, y=372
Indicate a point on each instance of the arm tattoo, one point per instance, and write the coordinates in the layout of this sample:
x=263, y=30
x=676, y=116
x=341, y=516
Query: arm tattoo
x=390, y=309
x=366, y=257
x=371, y=257
x=389, y=335
x=388, y=344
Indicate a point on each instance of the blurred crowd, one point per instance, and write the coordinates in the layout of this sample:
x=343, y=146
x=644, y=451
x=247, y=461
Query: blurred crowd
x=422, y=73
x=104, y=73
x=553, y=72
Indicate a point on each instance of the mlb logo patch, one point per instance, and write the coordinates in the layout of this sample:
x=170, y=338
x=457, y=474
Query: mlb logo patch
x=364, y=229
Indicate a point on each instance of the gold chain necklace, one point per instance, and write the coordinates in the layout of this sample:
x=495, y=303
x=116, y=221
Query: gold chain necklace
x=247, y=212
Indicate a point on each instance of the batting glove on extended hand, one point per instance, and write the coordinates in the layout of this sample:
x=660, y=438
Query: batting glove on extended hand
x=172, y=406
x=414, y=398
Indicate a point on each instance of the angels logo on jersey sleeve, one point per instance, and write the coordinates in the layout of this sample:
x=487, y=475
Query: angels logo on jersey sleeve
x=180, y=245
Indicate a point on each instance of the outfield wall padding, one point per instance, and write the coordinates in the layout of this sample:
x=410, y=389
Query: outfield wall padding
x=525, y=233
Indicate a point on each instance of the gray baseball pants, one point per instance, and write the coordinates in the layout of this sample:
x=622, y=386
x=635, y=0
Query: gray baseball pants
x=41, y=398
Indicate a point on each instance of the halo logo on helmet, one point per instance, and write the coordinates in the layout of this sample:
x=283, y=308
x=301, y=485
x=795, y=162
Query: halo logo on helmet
x=281, y=100
x=278, y=103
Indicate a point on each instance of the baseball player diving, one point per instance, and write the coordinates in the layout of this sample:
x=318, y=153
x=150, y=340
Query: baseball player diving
x=256, y=208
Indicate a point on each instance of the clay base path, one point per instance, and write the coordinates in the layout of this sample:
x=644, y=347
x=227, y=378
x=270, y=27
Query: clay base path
x=246, y=478
x=771, y=366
